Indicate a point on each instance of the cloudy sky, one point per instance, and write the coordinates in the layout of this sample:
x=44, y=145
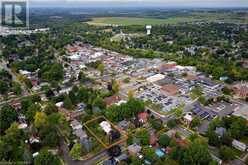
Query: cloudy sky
x=169, y=3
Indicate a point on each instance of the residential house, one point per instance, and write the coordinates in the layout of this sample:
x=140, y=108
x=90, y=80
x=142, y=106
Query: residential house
x=124, y=124
x=76, y=125
x=220, y=131
x=134, y=149
x=239, y=145
x=79, y=132
x=106, y=126
x=143, y=117
x=153, y=140
x=188, y=118
x=112, y=100
x=241, y=90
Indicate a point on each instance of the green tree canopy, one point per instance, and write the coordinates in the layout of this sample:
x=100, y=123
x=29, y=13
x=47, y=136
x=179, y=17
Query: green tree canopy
x=164, y=140
x=46, y=158
x=75, y=152
x=197, y=153
x=7, y=116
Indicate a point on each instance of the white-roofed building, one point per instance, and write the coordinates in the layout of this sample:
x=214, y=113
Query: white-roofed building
x=155, y=78
x=239, y=145
x=188, y=118
x=106, y=126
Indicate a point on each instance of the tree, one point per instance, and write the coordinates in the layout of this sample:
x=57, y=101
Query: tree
x=178, y=112
x=226, y=139
x=40, y=119
x=172, y=123
x=157, y=124
x=226, y=153
x=75, y=152
x=213, y=138
x=226, y=90
x=196, y=92
x=195, y=122
x=238, y=127
x=101, y=67
x=135, y=106
x=49, y=93
x=46, y=158
x=170, y=162
x=164, y=140
x=150, y=154
x=68, y=103
x=52, y=72
x=30, y=113
x=143, y=135
x=99, y=102
x=11, y=144
x=197, y=153
x=3, y=87
x=202, y=100
x=16, y=88
x=115, y=86
x=7, y=116
x=50, y=108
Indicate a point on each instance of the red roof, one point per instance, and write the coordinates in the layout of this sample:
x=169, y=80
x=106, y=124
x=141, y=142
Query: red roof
x=143, y=116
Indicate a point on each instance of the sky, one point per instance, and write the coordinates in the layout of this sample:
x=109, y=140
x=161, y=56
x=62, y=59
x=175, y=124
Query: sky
x=134, y=3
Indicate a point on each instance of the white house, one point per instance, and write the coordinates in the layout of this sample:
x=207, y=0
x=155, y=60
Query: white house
x=106, y=126
x=239, y=145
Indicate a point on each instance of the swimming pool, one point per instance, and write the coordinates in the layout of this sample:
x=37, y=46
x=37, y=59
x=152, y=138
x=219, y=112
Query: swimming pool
x=159, y=152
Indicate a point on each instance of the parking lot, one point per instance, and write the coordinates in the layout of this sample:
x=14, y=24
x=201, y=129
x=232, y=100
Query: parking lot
x=154, y=94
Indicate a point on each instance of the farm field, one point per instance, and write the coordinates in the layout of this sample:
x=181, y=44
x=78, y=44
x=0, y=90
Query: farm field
x=194, y=17
x=127, y=21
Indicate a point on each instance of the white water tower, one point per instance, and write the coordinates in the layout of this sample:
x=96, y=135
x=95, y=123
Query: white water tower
x=148, y=29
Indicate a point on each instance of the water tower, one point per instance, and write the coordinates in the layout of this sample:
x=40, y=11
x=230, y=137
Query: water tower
x=148, y=29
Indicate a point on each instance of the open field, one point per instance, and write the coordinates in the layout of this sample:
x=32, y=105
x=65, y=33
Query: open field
x=194, y=17
x=126, y=21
